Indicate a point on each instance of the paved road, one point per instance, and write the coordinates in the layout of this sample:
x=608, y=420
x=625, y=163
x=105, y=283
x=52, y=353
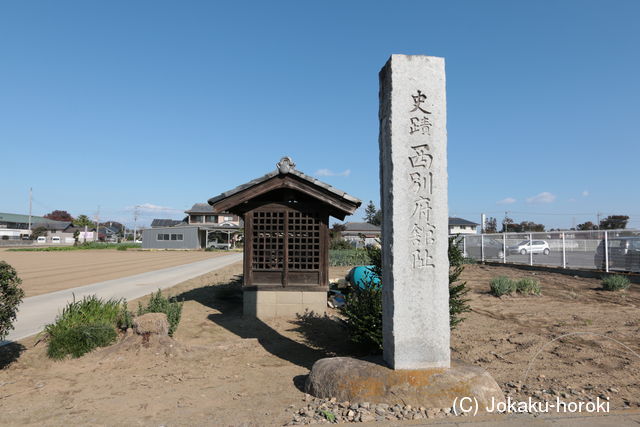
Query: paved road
x=36, y=312
x=573, y=259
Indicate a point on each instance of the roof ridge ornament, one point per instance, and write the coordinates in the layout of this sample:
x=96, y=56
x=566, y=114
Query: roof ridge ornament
x=285, y=165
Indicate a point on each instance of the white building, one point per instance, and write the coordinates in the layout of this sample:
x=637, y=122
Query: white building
x=462, y=226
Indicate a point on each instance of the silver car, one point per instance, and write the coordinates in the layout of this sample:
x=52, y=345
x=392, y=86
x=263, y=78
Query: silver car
x=525, y=247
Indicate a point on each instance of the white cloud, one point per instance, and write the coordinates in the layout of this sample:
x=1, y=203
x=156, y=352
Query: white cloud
x=150, y=207
x=329, y=172
x=507, y=201
x=585, y=193
x=544, y=197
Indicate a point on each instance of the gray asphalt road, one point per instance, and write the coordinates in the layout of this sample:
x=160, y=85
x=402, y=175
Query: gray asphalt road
x=36, y=312
x=554, y=259
x=574, y=259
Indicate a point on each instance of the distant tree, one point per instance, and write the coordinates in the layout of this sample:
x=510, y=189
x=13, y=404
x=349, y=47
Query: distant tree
x=82, y=221
x=614, y=222
x=76, y=238
x=377, y=218
x=530, y=226
x=524, y=226
x=509, y=225
x=59, y=216
x=38, y=231
x=491, y=225
x=587, y=226
x=336, y=229
x=370, y=213
x=336, y=240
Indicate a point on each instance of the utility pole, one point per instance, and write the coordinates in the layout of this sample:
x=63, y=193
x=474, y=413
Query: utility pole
x=135, y=222
x=98, y=224
x=504, y=222
x=598, y=216
x=30, y=199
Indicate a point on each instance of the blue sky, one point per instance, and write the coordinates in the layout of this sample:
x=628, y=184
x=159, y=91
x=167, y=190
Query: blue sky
x=165, y=103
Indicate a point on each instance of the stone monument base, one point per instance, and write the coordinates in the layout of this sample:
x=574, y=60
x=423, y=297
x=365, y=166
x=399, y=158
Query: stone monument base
x=355, y=380
x=270, y=304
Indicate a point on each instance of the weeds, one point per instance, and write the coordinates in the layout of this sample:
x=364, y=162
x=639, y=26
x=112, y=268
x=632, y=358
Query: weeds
x=345, y=257
x=85, y=325
x=615, y=283
x=528, y=286
x=502, y=285
x=169, y=306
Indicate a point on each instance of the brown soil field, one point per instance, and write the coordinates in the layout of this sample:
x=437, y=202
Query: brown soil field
x=44, y=272
x=225, y=370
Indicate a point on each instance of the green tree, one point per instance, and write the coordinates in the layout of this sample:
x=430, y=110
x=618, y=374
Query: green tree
x=82, y=221
x=509, y=226
x=614, y=222
x=457, y=290
x=491, y=226
x=363, y=307
x=370, y=213
x=10, y=297
x=38, y=231
x=587, y=226
x=377, y=218
x=336, y=229
x=530, y=226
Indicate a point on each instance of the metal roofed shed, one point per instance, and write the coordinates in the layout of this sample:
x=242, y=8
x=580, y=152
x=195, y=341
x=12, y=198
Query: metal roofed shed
x=286, y=216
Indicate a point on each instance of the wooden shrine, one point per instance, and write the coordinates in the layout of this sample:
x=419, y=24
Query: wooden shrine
x=286, y=239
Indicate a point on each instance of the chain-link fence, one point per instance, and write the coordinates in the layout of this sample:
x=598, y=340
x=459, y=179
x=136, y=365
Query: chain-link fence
x=607, y=250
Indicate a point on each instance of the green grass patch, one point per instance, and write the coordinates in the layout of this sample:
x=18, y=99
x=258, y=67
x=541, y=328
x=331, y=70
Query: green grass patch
x=84, y=325
x=80, y=339
x=160, y=304
x=615, y=283
x=348, y=257
x=502, y=285
x=528, y=286
x=81, y=247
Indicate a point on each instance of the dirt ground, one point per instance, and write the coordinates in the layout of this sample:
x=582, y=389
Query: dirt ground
x=44, y=272
x=228, y=371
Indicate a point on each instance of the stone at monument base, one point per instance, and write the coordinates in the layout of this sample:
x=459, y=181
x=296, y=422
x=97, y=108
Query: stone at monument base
x=356, y=380
x=270, y=304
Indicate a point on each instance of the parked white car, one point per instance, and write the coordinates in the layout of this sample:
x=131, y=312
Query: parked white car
x=525, y=247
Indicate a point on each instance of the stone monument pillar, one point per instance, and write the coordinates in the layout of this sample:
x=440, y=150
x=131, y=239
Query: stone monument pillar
x=413, y=176
x=415, y=262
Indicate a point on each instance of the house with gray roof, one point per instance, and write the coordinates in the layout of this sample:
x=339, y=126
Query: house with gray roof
x=462, y=226
x=200, y=229
x=361, y=234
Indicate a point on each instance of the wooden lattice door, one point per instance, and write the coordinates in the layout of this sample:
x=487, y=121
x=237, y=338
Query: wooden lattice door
x=286, y=247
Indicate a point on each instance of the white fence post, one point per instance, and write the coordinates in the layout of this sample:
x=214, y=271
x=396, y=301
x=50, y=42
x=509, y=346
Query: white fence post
x=564, y=253
x=606, y=252
x=530, y=249
x=482, y=247
x=504, y=248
